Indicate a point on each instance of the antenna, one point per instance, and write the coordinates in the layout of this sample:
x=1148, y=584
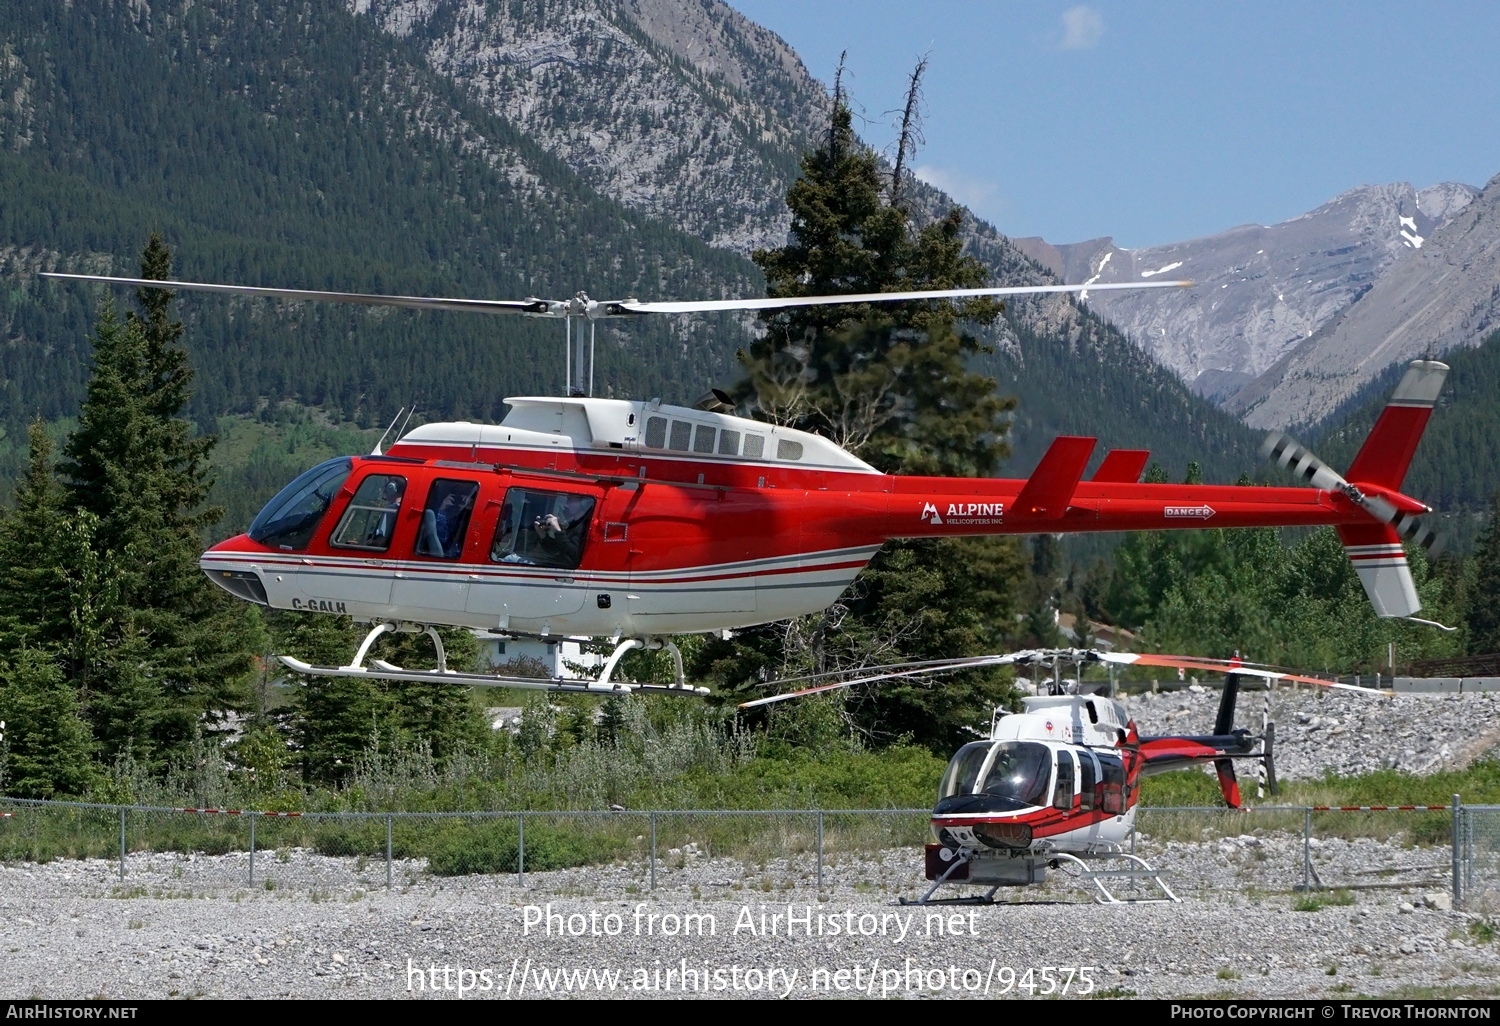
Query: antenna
x=406, y=421
x=377, y=451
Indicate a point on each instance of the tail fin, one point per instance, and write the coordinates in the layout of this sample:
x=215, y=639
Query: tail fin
x=1375, y=549
x=1388, y=450
x=1378, y=558
x=1223, y=724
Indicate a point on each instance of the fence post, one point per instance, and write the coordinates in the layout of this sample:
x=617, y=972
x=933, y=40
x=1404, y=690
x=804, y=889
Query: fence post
x=122, y=844
x=1457, y=835
x=653, y=851
x=820, y=851
x=521, y=849
x=252, y=849
x=388, y=853
x=1306, y=850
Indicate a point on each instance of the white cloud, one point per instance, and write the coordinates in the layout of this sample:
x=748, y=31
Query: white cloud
x=971, y=192
x=1083, y=27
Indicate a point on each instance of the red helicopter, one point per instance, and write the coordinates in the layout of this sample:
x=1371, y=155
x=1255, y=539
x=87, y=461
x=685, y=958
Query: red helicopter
x=634, y=521
x=1056, y=786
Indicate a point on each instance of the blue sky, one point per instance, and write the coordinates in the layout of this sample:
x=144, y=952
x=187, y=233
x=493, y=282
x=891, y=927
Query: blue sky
x=1155, y=122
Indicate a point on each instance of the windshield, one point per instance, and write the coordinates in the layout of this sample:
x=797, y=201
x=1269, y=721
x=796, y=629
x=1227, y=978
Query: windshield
x=289, y=520
x=963, y=770
x=1022, y=771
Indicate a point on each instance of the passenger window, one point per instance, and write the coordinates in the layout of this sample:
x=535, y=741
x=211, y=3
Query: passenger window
x=786, y=449
x=370, y=520
x=682, y=435
x=704, y=440
x=729, y=443
x=1086, y=781
x=542, y=528
x=1062, y=793
x=1112, y=787
x=656, y=432
x=755, y=446
x=445, y=521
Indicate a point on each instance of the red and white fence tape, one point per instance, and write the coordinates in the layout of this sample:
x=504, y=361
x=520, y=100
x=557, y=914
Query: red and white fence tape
x=240, y=812
x=1381, y=808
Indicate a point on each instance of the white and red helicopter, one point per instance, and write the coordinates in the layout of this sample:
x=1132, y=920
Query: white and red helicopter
x=635, y=521
x=1056, y=786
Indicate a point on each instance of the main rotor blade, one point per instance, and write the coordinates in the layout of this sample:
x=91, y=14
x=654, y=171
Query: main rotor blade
x=531, y=307
x=873, y=678
x=710, y=305
x=1231, y=666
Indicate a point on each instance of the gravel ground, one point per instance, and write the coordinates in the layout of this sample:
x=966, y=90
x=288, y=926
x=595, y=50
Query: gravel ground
x=71, y=930
x=1345, y=732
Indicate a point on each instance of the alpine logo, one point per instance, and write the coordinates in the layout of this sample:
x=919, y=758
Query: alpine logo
x=965, y=514
x=1202, y=512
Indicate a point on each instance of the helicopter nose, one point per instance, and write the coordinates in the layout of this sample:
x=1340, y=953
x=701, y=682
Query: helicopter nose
x=220, y=565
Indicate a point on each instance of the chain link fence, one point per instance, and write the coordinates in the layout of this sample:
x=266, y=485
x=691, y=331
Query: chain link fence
x=1270, y=849
x=1476, y=875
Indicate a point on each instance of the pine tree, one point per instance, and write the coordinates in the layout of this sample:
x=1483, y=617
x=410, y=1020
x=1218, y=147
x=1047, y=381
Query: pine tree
x=889, y=382
x=48, y=747
x=1484, y=596
x=134, y=465
x=34, y=588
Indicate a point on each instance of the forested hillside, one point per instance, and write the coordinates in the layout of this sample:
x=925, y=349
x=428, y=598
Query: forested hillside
x=298, y=145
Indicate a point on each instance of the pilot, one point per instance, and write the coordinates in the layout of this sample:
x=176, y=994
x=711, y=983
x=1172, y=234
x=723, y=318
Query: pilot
x=390, y=499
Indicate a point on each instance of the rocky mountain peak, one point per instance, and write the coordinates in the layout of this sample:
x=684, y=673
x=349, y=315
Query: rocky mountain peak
x=1262, y=290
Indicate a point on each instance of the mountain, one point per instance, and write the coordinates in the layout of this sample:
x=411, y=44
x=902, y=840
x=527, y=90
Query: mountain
x=1261, y=290
x=460, y=149
x=682, y=109
x=687, y=110
x=1444, y=297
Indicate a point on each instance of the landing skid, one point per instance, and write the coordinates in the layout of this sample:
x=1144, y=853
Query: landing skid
x=379, y=669
x=1139, y=871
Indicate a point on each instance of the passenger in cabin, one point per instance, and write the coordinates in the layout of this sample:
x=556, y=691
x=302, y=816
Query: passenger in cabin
x=560, y=534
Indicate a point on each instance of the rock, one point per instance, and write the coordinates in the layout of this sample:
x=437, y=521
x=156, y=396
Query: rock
x=1407, y=906
x=1440, y=901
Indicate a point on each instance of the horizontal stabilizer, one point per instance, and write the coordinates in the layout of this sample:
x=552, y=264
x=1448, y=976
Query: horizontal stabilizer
x=1051, y=486
x=1122, y=466
x=1378, y=558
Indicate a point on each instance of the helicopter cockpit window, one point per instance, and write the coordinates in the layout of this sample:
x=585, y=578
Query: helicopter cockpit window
x=1021, y=771
x=963, y=769
x=786, y=449
x=542, y=528
x=289, y=520
x=445, y=521
x=682, y=435
x=370, y=520
x=1062, y=792
x=1112, y=784
x=656, y=432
